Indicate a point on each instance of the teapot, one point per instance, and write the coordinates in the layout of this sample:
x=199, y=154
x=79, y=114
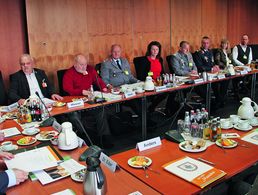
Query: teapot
x=246, y=110
x=231, y=69
x=94, y=180
x=148, y=85
x=67, y=139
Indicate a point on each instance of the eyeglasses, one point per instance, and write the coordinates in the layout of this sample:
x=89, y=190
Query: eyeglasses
x=27, y=63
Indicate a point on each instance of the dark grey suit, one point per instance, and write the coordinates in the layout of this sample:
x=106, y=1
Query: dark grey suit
x=113, y=75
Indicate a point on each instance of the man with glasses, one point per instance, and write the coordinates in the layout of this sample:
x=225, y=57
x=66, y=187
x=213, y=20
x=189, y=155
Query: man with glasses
x=28, y=81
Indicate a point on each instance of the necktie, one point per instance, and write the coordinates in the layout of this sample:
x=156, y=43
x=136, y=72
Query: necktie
x=118, y=64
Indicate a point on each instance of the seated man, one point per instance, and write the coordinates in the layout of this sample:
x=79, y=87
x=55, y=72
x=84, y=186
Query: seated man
x=77, y=81
x=183, y=65
x=28, y=81
x=182, y=61
x=10, y=177
x=116, y=70
x=204, y=61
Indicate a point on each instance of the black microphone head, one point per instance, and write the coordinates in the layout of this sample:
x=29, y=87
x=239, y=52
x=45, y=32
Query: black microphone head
x=37, y=93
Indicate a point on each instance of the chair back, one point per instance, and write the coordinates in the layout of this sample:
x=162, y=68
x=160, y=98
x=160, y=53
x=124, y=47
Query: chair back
x=98, y=69
x=168, y=58
x=60, y=75
x=3, y=95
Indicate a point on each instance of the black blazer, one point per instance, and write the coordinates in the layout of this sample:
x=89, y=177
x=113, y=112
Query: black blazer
x=4, y=182
x=19, y=87
x=220, y=58
x=142, y=67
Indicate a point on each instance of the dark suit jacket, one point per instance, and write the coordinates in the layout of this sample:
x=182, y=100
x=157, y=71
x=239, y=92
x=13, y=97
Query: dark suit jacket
x=4, y=180
x=19, y=87
x=204, y=60
x=220, y=58
x=142, y=67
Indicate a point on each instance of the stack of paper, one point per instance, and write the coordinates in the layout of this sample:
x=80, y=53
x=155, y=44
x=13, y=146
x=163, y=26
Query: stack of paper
x=11, y=132
x=252, y=137
x=194, y=171
x=108, y=96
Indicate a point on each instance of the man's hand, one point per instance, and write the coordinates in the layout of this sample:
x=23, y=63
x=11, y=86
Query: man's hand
x=20, y=175
x=109, y=86
x=86, y=93
x=56, y=97
x=104, y=89
x=21, y=101
x=194, y=72
x=6, y=155
x=215, y=68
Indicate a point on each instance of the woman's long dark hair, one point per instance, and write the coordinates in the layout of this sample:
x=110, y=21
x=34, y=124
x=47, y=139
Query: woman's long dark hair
x=156, y=43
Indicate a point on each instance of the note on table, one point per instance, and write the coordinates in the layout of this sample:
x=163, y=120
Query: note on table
x=63, y=170
x=11, y=132
x=34, y=160
x=65, y=192
x=251, y=137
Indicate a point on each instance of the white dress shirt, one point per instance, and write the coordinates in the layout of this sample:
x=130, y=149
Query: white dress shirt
x=33, y=84
x=235, y=55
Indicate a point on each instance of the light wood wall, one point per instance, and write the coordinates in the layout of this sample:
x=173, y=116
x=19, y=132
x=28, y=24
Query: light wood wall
x=59, y=29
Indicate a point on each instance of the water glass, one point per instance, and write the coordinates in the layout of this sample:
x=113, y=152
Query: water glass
x=180, y=126
x=1, y=135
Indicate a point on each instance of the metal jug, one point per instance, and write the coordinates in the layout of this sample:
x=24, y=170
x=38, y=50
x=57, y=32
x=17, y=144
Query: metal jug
x=94, y=180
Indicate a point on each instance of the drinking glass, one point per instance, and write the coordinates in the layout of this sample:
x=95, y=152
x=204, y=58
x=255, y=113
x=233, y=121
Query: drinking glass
x=180, y=126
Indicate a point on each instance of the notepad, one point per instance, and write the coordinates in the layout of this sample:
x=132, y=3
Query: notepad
x=194, y=171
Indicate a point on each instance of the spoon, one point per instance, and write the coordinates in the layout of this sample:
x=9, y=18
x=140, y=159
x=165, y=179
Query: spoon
x=145, y=171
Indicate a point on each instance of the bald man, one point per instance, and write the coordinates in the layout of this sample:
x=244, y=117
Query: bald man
x=77, y=81
x=28, y=81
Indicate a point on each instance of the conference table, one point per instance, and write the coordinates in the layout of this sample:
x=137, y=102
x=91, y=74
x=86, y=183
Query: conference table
x=144, y=97
x=232, y=161
x=119, y=182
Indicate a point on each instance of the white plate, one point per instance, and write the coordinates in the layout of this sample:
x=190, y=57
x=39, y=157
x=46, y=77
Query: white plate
x=34, y=133
x=79, y=176
x=254, y=124
x=243, y=129
x=192, y=150
x=229, y=127
x=40, y=138
x=130, y=162
x=33, y=140
x=15, y=147
x=232, y=146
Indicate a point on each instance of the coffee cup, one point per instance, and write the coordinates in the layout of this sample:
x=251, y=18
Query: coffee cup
x=253, y=120
x=139, y=90
x=225, y=123
x=7, y=146
x=243, y=124
x=234, y=118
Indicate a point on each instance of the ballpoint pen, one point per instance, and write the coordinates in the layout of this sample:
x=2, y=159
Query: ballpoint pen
x=208, y=162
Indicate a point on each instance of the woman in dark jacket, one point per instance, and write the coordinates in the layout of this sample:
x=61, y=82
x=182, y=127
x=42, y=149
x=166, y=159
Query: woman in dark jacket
x=223, y=55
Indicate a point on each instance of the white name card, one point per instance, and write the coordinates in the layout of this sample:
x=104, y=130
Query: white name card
x=75, y=104
x=161, y=88
x=243, y=72
x=130, y=94
x=57, y=126
x=108, y=162
x=151, y=143
x=9, y=108
x=221, y=76
x=198, y=81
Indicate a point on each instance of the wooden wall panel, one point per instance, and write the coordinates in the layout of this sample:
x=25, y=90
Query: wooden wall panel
x=12, y=36
x=242, y=17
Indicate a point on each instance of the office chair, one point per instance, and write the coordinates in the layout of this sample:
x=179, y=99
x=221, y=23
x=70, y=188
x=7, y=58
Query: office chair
x=3, y=95
x=60, y=75
x=98, y=69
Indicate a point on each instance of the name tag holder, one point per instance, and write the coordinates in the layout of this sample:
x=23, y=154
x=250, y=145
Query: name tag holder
x=129, y=94
x=160, y=88
x=221, y=76
x=196, y=81
x=108, y=162
x=151, y=143
x=243, y=72
x=75, y=104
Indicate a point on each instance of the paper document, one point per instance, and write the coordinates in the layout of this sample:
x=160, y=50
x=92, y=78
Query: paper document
x=107, y=96
x=48, y=101
x=34, y=160
x=63, y=170
x=11, y=132
x=251, y=137
x=65, y=192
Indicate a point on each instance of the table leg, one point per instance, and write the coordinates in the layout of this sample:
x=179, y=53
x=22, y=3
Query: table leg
x=208, y=97
x=144, y=117
x=253, y=86
x=117, y=108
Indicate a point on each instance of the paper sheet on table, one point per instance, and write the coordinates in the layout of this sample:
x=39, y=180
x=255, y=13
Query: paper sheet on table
x=11, y=132
x=63, y=170
x=48, y=101
x=107, y=96
x=252, y=137
x=131, y=86
x=34, y=160
x=65, y=192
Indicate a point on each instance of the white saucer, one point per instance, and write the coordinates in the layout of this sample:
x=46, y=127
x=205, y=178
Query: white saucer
x=254, y=124
x=34, y=133
x=228, y=127
x=15, y=147
x=243, y=129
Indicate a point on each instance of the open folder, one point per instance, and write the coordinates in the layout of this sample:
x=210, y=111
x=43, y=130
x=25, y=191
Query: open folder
x=194, y=171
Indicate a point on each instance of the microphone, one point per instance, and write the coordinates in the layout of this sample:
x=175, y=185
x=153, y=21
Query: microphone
x=99, y=99
x=50, y=120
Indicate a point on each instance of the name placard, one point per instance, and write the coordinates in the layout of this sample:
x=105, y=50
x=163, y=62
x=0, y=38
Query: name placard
x=74, y=104
x=221, y=76
x=108, y=162
x=57, y=126
x=198, y=81
x=161, y=88
x=151, y=143
x=243, y=72
x=130, y=94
